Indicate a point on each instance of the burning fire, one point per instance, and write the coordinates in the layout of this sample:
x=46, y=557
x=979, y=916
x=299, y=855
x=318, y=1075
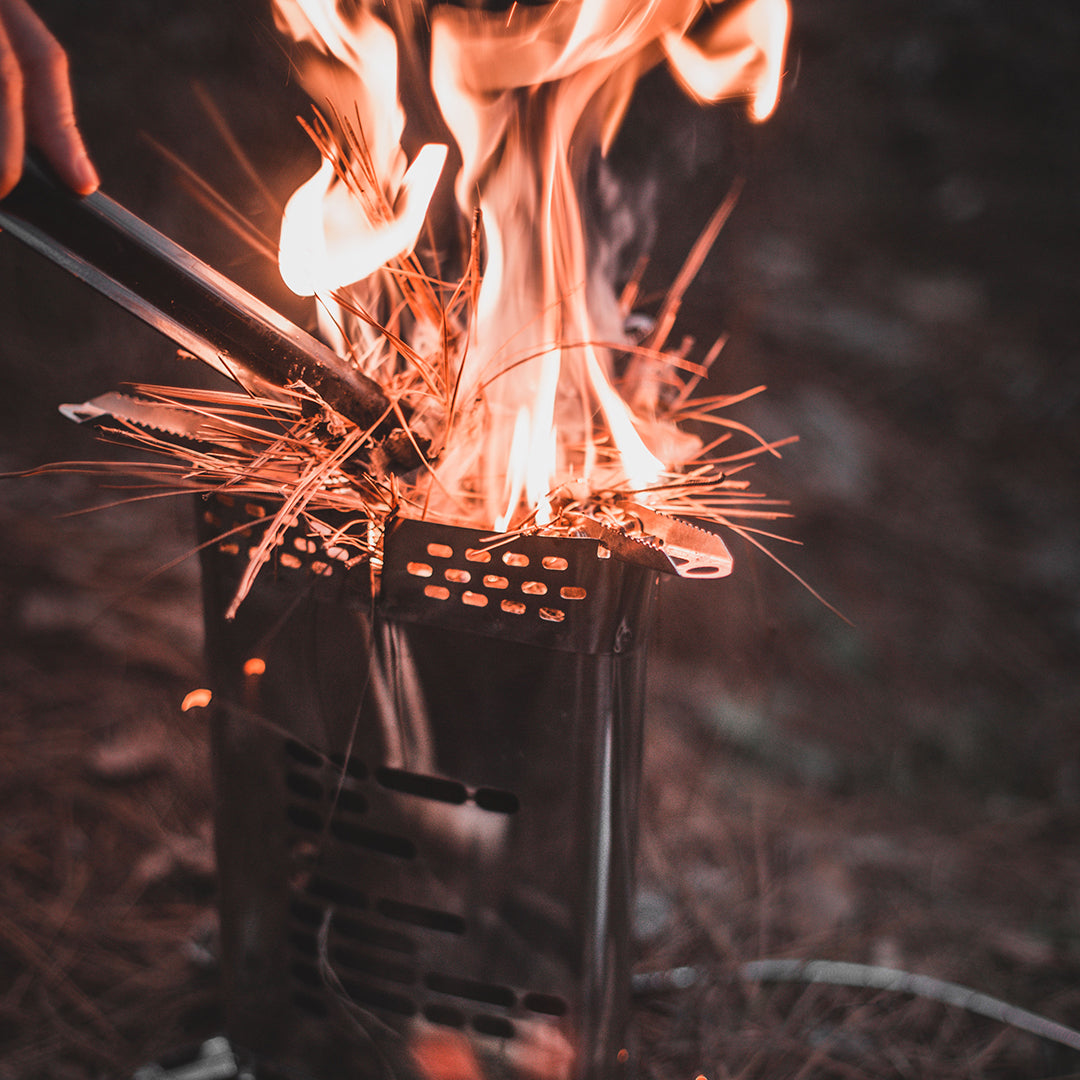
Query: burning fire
x=516, y=392
x=517, y=401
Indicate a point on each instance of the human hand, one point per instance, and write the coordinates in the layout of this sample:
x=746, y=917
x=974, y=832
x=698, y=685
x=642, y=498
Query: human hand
x=35, y=102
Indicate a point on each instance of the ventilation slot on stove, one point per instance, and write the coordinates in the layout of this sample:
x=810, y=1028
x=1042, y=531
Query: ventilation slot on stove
x=353, y=767
x=302, y=754
x=375, y=998
x=496, y=1026
x=426, y=787
x=446, y=1015
x=380, y=967
x=384, y=843
x=337, y=892
x=471, y=990
x=304, y=786
x=376, y=936
x=498, y=802
x=351, y=802
x=415, y=915
x=548, y=1004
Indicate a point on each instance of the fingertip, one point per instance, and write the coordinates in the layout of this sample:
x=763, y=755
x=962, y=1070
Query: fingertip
x=72, y=164
x=84, y=179
x=10, y=172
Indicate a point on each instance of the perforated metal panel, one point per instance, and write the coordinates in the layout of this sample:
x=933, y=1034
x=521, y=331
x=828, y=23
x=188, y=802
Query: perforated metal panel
x=426, y=800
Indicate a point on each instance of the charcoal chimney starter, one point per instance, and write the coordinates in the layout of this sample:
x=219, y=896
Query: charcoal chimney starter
x=426, y=799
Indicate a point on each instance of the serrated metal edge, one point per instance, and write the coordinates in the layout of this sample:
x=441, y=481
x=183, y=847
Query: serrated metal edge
x=153, y=416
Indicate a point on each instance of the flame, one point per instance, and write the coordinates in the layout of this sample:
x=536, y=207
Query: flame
x=526, y=403
x=325, y=244
x=743, y=53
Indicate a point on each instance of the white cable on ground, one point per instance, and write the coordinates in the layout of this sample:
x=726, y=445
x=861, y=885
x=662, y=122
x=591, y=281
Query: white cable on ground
x=838, y=973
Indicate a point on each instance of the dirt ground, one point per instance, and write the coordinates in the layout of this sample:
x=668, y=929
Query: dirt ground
x=899, y=790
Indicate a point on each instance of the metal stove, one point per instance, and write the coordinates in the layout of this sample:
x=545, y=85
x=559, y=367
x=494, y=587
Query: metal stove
x=426, y=797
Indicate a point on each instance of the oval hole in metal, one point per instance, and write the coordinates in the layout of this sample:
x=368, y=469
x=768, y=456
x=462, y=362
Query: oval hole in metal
x=384, y=843
x=704, y=571
x=376, y=936
x=498, y=802
x=421, y=785
x=352, y=802
x=353, y=766
x=376, y=998
x=446, y=1015
x=471, y=989
x=495, y=1026
x=415, y=915
x=303, y=754
x=548, y=1004
x=337, y=892
x=380, y=966
x=305, y=786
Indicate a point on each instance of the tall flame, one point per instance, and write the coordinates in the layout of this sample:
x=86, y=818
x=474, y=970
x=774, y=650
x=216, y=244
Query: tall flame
x=527, y=96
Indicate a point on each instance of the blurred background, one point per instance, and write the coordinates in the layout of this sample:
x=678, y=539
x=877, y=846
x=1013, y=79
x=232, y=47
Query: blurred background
x=902, y=788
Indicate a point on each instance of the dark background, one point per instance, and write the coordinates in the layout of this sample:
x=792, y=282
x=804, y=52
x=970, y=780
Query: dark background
x=901, y=272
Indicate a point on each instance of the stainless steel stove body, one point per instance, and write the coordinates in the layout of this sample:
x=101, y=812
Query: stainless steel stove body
x=426, y=801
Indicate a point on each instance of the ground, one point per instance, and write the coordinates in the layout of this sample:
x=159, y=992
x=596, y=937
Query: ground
x=901, y=789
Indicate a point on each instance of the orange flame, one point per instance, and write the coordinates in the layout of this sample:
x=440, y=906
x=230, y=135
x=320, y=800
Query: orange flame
x=526, y=97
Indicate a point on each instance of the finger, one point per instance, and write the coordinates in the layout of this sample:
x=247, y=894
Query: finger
x=49, y=110
x=12, y=132
x=50, y=121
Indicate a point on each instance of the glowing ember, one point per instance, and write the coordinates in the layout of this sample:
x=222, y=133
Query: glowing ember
x=196, y=699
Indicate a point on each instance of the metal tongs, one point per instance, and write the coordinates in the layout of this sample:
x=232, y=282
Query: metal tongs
x=200, y=309
x=666, y=544
x=204, y=312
